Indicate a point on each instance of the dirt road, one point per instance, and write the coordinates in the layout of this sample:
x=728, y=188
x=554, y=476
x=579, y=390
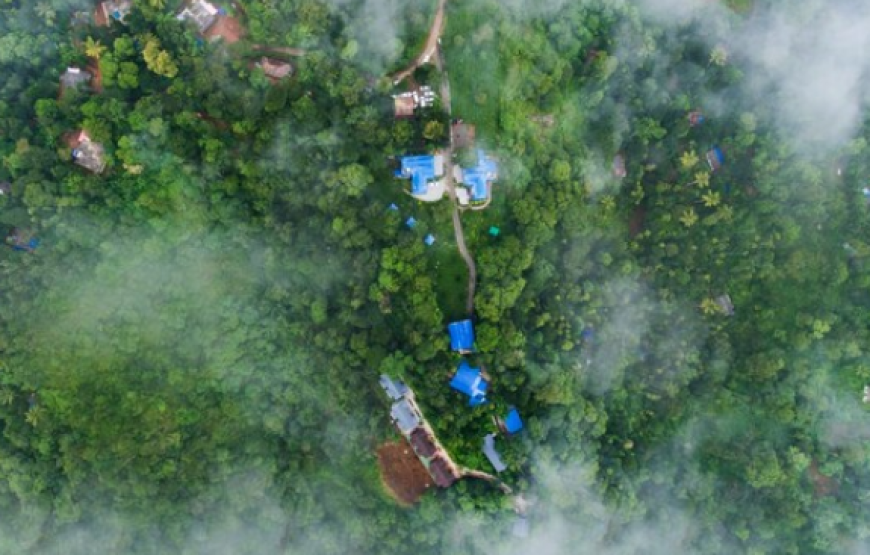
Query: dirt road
x=431, y=46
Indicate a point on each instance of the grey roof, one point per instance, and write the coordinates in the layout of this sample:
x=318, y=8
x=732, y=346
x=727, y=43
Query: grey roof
x=73, y=77
x=405, y=416
x=492, y=454
x=395, y=389
x=521, y=527
x=202, y=13
x=89, y=155
x=724, y=302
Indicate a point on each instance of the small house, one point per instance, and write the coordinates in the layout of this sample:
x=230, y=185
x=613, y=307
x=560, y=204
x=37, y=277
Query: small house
x=725, y=304
x=479, y=178
x=469, y=381
x=73, y=78
x=619, y=166
x=425, y=173
x=429, y=240
x=461, y=336
x=87, y=154
x=696, y=118
x=423, y=442
x=492, y=454
x=115, y=10
x=395, y=390
x=406, y=416
x=403, y=106
x=275, y=69
x=203, y=14
x=512, y=423
x=444, y=471
x=411, y=222
x=715, y=158
x=21, y=240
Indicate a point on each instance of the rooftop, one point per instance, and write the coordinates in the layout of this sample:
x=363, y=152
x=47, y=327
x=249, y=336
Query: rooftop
x=619, y=166
x=403, y=106
x=203, y=14
x=461, y=336
x=421, y=170
x=116, y=10
x=512, y=422
x=405, y=416
x=394, y=389
x=479, y=177
x=468, y=380
x=73, y=77
x=491, y=453
x=423, y=442
x=276, y=69
x=715, y=158
x=22, y=240
x=88, y=154
x=443, y=471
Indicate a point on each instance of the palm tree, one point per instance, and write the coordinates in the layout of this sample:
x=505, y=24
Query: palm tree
x=157, y=4
x=711, y=199
x=689, y=217
x=93, y=48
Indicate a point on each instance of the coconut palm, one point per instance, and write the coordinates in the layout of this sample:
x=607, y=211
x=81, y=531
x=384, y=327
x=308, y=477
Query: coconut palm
x=93, y=48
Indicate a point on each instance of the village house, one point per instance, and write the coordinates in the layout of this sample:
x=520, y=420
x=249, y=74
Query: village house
x=21, y=240
x=469, y=381
x=73, y=78
x=114, y=10
x=461, y=336
x=510, y=424
x=275, y=69
x=715, y=158
x=492, y=454
x=425, y=173
x=477, y=181
x=86, y=153
x=619, y=166
x=203, y=14
x=408, y=418
x=407, y=102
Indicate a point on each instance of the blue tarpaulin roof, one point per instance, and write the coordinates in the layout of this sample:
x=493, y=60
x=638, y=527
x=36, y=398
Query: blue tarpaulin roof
x=477, y=177
x=411, y=222
x=420, y=170
x=429, y=239
x=513, y=423
x=461, y=336
x=715, y=158
x=393, y=207
x=468, y=380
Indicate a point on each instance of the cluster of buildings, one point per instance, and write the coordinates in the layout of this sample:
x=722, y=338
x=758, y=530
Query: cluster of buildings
x=472, y=383
x=427, y=176
x=408, y=419
x=406, y=103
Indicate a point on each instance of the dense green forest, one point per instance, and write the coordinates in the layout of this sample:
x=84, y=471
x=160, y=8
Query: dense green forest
x=189, y=359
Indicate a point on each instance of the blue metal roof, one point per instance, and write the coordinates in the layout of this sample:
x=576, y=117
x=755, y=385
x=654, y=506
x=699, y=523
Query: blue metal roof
x=478, y=177
x=420, y=170
x=429, y=239
x=393, y=207
x=715, y=158
x=513, y=423
x=461, y=336
x=468, y=380
x=411, y=222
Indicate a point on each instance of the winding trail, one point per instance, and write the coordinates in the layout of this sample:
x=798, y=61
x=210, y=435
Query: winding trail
x=431, y=45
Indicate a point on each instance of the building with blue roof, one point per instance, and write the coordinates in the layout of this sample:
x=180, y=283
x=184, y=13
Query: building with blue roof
x=715, y=158
x=424, y=172
x=468, y=380
x=461, y=336
x=429, y=240
x=512, y=422
x=479, y=178
x=411, y=222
